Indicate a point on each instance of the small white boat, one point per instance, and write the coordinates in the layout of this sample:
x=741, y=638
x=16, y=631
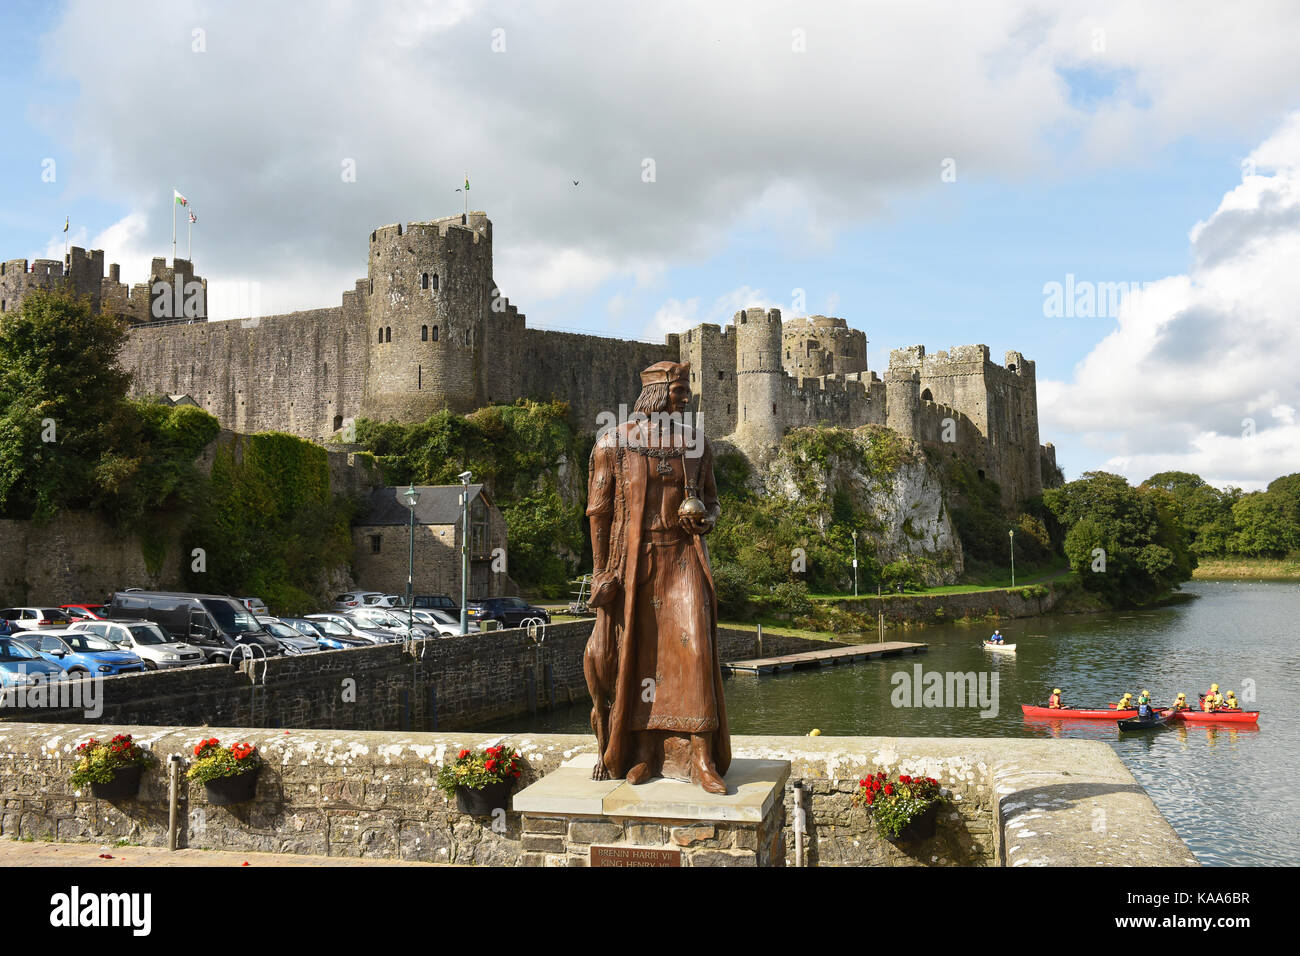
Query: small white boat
x=1009, y=648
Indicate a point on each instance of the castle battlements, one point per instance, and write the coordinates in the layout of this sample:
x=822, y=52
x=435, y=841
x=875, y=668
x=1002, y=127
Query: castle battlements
x=428, y=329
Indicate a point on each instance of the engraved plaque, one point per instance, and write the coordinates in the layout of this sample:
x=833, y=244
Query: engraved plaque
x=634, y=856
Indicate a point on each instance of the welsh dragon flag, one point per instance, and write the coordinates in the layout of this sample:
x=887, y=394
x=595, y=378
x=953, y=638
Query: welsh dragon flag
x=180, y=200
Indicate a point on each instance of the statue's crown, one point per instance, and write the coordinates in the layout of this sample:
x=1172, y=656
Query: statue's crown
x=666, y=373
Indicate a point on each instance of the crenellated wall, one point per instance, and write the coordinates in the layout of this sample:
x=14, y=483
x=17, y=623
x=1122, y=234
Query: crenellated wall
x=429, y=329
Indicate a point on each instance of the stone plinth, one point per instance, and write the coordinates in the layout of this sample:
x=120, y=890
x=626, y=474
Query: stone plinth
x=566, y=814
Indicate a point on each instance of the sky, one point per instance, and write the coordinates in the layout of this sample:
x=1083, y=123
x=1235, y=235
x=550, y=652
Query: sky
x=936, y=174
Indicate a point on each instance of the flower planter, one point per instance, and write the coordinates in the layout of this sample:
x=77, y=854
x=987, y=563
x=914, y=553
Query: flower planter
x=124, y=785
x=481, y=803
x=920, y=828
x=224, y=791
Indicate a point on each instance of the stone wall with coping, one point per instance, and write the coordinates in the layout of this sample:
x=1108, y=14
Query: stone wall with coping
x=439, y=683
x=371, y=793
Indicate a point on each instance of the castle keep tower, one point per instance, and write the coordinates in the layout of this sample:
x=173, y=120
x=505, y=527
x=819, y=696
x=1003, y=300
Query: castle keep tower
x=428, y=293
x=759, y=386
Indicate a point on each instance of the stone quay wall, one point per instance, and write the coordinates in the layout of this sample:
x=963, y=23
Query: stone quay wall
x=435, y=684
x=921, y=609
x=372, y=794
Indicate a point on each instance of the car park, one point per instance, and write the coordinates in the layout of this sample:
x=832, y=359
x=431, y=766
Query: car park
x=223, y=628
x=327, y=634
x=20, y=666
x=292, y=640
x=507, y=611
x=368, y=633
x=35, y=618
x=146, y=640
x=82, y=654
x=355, y=599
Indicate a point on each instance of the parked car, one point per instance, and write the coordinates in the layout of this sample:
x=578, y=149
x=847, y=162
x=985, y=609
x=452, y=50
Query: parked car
x=82, y=654
x=436, y=602
x=507, y=611
x=387, y=619
x=217, y=623
x=147, y=641
x=370, y=634
x=326, y=634
x=20, y=666
x=444, y=623
x=388, y=601
x=355, y=599
x=36, y=618
x=84, y=612
x=292, y=640
x=256, y=606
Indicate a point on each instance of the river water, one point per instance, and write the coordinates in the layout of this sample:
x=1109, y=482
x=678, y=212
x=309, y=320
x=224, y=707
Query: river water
x=1231, y=792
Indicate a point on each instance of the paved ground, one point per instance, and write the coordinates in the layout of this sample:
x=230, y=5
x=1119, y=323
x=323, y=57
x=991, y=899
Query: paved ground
x=18, y=853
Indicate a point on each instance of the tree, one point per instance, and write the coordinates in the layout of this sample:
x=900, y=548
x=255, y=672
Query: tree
x=1264, y=527
x=1125, y=543
x=60, y=389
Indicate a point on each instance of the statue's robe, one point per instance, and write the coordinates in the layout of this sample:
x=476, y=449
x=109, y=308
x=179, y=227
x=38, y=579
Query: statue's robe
x=659, y=638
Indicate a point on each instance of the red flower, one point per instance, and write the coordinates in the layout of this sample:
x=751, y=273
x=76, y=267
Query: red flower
x=932, y=781
x=515, y=773
x=491, y=765
x=870, y=799
x=240, y=751
x=198, y=748
x=889, y=789
x=904, y=779
x=462, y=755
x=862, y=783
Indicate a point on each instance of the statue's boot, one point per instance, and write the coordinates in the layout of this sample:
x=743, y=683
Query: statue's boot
x=644, y=768
x=706, y=770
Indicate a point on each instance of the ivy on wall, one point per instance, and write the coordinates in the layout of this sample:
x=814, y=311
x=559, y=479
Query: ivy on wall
x=267, y=524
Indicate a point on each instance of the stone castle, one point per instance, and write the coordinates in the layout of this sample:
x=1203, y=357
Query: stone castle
x=428, y=329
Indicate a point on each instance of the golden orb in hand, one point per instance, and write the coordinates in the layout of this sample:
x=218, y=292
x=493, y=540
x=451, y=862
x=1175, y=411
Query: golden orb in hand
x=692, y=508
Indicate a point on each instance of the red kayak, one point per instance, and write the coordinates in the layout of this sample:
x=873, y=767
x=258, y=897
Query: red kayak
x=1077, y=713
x=1216, y=716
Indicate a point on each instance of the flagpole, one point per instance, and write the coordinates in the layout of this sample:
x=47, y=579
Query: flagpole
x=189, y=239
x=174, y=191
x=467, y=197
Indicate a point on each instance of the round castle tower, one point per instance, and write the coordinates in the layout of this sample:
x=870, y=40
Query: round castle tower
x=428, y=297
x=759, y=386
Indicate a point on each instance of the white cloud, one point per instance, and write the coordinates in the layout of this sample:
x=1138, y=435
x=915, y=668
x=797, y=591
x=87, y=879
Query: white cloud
x=744, y=131
x=676, y=315
x=1200, y=375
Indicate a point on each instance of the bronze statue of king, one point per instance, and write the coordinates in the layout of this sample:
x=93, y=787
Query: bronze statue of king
x=651, y=662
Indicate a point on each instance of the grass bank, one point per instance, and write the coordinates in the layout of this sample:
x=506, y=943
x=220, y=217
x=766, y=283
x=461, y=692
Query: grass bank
x=1252, y=569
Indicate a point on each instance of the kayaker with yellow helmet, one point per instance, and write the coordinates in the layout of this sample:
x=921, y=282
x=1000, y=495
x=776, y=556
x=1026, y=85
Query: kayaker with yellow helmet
x=1054, y=702
x=1125, y=702
x=1144, y=704
x=1212, y=700
x=1231, y=702
x=1180, y=703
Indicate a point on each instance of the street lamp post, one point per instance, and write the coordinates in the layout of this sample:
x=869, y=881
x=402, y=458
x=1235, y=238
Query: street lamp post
x=855, y=564
x=412, y=499
x=464, y=476
x=1012, y=535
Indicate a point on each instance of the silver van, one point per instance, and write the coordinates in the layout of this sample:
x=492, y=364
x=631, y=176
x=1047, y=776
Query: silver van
x=147, y=641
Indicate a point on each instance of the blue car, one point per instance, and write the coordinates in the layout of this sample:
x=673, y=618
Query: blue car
x=82, y=654
x=330, y=636
x=20, y=666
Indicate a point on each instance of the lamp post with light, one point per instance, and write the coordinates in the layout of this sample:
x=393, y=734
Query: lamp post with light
x=412, y=499
x=1012, y=535
x=855, y=564
x=464, y=477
